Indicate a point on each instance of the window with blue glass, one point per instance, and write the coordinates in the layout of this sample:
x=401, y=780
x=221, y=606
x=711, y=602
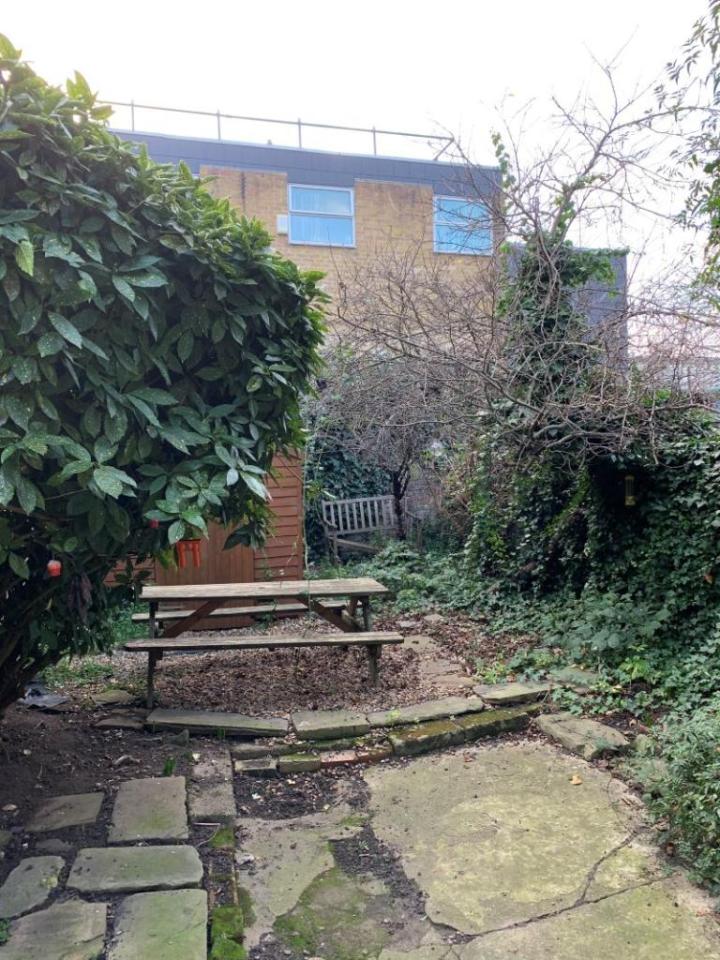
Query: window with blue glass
x=462, y=226
x=322, y=215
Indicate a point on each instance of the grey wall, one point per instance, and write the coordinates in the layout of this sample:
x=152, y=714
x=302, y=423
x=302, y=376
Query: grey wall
x=318, y=167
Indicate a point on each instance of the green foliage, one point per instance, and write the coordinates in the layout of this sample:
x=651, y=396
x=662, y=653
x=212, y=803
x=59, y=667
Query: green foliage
x=169, y=766
x=689, y=794
x=421, y=581
x=152, y=358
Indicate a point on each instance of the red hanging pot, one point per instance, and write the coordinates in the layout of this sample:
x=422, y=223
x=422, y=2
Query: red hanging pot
x=183, y=548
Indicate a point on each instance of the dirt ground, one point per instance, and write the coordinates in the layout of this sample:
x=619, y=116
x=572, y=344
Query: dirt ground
x=50, y=754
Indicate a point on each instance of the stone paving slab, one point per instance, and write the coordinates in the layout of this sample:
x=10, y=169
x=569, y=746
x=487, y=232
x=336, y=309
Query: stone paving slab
x=329, y=724
x=260, y=767
x=287, y=856
x=113, y=698
x=506, y=694
x=74, y=810
x=29, y=884
x=642, y=924
x=504, y=835
x=161, y=926
x=73, y=930
x=232, y=724
x=131, y=869
x=494, y=722
x=153, y=808
x=587, y=738
x=429, y=710
x=299, y=763
x=577, y=678
x=210, y=793
x=410, y=741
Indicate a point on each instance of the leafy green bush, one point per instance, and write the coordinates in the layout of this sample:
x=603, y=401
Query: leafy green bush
x=422, y=581
x=152, y=356
x=689, y=795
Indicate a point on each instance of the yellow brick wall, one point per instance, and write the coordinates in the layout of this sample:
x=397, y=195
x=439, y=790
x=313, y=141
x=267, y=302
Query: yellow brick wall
x=388, y=215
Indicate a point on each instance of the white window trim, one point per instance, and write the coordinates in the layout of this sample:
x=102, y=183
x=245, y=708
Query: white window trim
x=341, y=216
x=460, y=253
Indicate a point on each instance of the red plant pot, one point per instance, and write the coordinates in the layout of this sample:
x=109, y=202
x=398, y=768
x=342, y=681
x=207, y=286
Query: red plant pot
x=185, y=547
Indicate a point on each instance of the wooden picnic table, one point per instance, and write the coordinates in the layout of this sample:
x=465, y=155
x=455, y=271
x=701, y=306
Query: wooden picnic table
x=318, y=596
x=311, y=593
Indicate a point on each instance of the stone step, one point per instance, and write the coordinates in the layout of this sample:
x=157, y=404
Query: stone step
x=73, y=930
x=329, y=724
x=153, y=808
x=204, y=721
x=161, y=926
x=509, y=694
x=436, y=734
x=131, y=869
x=588, y=738
x=428, y=710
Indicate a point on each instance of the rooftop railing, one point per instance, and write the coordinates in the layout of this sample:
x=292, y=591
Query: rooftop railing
x=232, y=127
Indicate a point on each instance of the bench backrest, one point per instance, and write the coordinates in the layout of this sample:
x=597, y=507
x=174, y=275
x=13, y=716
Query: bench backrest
x=360, y=515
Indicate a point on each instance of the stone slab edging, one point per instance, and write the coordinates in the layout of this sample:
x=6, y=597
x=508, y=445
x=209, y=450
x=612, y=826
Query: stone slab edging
x=400, y=741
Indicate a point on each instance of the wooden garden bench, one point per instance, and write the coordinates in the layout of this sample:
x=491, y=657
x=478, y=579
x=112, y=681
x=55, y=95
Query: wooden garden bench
x=373, y=641
x=343, y=519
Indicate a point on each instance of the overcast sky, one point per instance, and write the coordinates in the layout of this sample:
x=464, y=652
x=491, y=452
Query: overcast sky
x=401, y=64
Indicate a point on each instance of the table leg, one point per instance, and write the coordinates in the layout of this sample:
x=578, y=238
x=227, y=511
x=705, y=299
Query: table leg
x=153, y=657
x=374, y=650
x=367, y=615
x=153, y=619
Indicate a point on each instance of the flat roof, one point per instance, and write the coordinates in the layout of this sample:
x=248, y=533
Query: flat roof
x=318, y=167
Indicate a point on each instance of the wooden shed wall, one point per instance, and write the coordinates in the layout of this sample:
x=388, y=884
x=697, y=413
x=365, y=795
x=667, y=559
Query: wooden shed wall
x=282, y=557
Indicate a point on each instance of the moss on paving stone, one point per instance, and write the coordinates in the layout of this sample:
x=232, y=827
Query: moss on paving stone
x=246, y=905
x=494, y=722
x=409, y=741
x=227, y=926
x=337, y=917
x=222, y=839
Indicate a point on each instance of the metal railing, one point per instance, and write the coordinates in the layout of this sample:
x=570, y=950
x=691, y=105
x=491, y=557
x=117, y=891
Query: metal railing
x=433, y=141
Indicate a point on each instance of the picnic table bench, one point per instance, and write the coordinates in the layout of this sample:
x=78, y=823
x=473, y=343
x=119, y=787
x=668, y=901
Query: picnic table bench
x=345, y=603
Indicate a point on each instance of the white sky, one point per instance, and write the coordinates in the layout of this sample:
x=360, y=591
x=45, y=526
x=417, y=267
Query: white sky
x=402, y=64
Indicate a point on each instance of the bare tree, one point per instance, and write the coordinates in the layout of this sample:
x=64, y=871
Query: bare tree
x=431, y=357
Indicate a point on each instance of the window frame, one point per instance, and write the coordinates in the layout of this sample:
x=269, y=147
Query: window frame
x=330, y=216
x=436, y=222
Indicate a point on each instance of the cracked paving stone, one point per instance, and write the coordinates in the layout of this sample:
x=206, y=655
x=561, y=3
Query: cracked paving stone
x=648, y=923
x=29, y=884
x=507, y=837
x=288, y=855
x=73, y=930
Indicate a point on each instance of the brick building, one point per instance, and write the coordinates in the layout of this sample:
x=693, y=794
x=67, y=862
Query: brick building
x=333, y=212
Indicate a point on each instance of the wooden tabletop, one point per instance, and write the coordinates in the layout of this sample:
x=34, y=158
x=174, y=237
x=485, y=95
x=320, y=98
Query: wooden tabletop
x=268, y=589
